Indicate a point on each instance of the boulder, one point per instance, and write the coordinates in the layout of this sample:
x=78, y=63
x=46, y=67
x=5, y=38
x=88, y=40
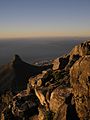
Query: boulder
x=62, y=113
x=23, y=105
x=80, y=82
x=62, y=104
x=39, y=79
x=58, y=97
x=42, y=113
x=71, y=62
x=81, y=50
x=60, y=63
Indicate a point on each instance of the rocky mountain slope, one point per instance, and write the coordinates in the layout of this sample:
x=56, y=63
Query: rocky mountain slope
x=57, y=92
x=14, y=76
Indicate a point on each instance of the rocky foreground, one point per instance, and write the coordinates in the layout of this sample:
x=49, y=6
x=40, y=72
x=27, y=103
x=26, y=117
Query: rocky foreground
x=60, y=91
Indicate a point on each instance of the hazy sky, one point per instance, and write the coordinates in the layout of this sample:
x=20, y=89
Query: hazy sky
x=25, y=18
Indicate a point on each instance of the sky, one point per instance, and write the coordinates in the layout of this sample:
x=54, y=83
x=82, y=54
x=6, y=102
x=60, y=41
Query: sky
x=42, y=18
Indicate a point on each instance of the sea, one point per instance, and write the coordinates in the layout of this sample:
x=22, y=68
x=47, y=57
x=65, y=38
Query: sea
x=32, y=50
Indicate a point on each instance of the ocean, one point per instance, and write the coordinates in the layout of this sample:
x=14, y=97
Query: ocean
x=36, y=49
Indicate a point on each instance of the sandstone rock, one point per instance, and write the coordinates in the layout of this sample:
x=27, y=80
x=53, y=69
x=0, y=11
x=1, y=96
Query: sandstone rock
x=61, y=113
x=35, y=117
x=44, y=114
x=60, y=63
x=80, y=81
x=62, y=104
x=25, y=107
x=71, y=62
x=77, y=52
x=39, y=80
x=41, y=95
x=81, y=50
x=7, y=98
x=58, y=97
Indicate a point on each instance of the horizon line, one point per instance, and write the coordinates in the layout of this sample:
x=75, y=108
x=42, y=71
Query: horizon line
x=32, y=37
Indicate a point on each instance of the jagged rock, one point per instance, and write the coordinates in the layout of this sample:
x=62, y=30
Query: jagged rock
x=35, y=117
x=7, y=98
x=7, y=115
x=62, y=105
x=61, y=113
x=80, y=81
x=60, y=63
x=25, y=106
x=77, y=52
x=58, y=97
x=81, y=50
x=71, y=62
x=40, y=79
x=41, y=95
x=44, y=114
x=16, y=59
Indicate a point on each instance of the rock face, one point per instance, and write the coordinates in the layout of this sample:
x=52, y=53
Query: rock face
x=60, y=102
x=58, y=97
x=60, y=63
x=77, y=52
x=81, y=50
x=22, y=106
x=80, y=81
x=38, y=80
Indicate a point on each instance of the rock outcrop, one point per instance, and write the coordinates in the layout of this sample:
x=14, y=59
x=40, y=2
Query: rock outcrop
x=60, y=63
x=81, y=50
x=58, y=97
x=80, y=81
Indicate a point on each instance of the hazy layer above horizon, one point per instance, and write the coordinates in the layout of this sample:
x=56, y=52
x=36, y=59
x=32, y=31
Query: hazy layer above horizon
x=31, y=50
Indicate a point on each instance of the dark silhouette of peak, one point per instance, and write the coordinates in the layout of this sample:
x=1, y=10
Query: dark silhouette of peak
x=16, y=58
x=14, y=75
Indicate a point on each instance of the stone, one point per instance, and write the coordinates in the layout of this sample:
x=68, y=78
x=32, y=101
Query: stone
x=60, y=63
x=62, y=113
x=58, y=97
x=81, y=50
x=80, y=82
x=22, y=106
x=39, y=79
x=44, y=114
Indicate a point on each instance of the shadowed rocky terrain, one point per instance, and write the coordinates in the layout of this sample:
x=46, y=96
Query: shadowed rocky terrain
x=60, y=91
x=14, y=75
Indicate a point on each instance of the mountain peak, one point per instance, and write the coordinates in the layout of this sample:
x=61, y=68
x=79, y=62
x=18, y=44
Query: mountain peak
x=16, y=59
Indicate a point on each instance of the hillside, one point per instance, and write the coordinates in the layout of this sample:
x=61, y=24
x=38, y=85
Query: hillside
x=60, y=91
x=14, y=75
